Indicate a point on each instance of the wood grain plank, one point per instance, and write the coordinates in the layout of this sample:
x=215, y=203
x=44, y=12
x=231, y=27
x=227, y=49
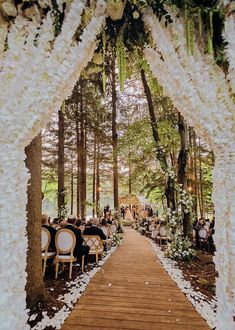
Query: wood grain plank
x=133, y=291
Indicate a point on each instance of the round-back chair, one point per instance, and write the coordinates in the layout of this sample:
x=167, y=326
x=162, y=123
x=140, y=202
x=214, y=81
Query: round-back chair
x=45, y=243
x=65, y=241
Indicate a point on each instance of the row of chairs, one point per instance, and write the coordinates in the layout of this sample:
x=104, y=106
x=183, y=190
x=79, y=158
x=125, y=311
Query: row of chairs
x=159, y=235
x=65, y=241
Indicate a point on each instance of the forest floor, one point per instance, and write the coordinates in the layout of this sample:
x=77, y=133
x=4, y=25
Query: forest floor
x=55, y=288
x=201, y=273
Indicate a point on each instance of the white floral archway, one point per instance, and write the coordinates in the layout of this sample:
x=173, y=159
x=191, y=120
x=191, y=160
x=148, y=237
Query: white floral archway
x=34, y=81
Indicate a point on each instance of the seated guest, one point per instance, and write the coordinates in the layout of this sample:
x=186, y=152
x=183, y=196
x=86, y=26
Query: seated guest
x=63, y=223
x=104, y=227
x=78, y=223
x=110, y=221
x=80, y=249
x=94, y=230
x=45, y=224
x=88, y=223
x=55, y=223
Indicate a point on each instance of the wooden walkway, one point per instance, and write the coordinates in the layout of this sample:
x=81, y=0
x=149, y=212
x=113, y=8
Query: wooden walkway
x=133, y=291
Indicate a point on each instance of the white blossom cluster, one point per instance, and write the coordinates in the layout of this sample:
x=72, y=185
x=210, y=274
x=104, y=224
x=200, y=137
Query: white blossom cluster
x=184, y=199
x=37, y=72
x=229, y=32
x=180, y=248
x=200, y=91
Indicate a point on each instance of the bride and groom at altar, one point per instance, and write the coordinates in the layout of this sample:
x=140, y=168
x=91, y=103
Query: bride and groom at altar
x=128, y=213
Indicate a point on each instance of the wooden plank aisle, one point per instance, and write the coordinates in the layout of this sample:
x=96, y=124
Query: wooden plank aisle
x=133, y=291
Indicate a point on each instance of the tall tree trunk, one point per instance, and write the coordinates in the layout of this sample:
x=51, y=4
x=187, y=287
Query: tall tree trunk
x=98, y=180
x=182, y=167
x=129, y=175
x=72, y=187
x=200, y=179
x=78, y=146
x=170, y=189
x=83, y=152
x=114, y=135
x=195, y=187
x=94, y=178
x=35, y=286
x=61, y=188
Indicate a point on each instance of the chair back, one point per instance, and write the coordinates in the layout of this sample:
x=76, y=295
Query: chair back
x=93, y=241
x=154, y=233
x=104, y=230
x=65, y=241
x=113, y=229
x=206, y=227
x=152, y=226
x=162, y=231
x=45, y=239
x=202, y=233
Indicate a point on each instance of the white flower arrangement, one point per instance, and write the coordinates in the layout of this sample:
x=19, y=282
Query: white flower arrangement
x=180, y=248
x=38, y=71
x=200, y=91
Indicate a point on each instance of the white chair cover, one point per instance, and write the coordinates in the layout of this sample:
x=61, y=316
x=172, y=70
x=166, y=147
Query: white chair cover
x=162, y=231
x=65, y=241
x=113, y=229
x=45, y=236
x=202, y=233
x=154, y=233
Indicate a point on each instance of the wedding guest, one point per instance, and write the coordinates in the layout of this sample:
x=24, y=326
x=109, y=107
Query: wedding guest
x=94, y=230
x=80, y=249
x=122, y=212
x=104, y=227
x=45, y=224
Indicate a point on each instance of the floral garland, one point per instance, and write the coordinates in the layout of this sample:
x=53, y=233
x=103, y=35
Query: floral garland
x=229, y=32
x=35, y=69
x=200, y=91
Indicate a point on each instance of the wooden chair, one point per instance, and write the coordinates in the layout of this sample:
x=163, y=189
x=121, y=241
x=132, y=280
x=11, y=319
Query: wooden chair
x=65, y=241
x=45, y=242
x=194, y=237
x=151, y=228
x=162, y=235
x=202, y=236
x=96, y=245
x=113, y=229
x=105, y=230
x=154, y=234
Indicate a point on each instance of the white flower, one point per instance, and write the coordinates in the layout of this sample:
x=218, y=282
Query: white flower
x=97, y=58
x=136, y=14
x=8, y=9
x=115, y=9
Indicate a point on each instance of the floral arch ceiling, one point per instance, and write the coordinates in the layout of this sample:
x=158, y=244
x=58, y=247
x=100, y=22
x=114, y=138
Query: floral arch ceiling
x=45, y=45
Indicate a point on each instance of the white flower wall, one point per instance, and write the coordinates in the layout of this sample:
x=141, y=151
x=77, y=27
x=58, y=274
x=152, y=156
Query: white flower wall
x=199, y=90
x=34, y=80
x=229, y=33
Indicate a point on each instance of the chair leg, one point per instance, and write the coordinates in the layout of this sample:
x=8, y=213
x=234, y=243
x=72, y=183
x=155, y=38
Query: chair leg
x=70, y=269
x=44, y=266
x=56, y=269
x=83, y=264
x=97, y=257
